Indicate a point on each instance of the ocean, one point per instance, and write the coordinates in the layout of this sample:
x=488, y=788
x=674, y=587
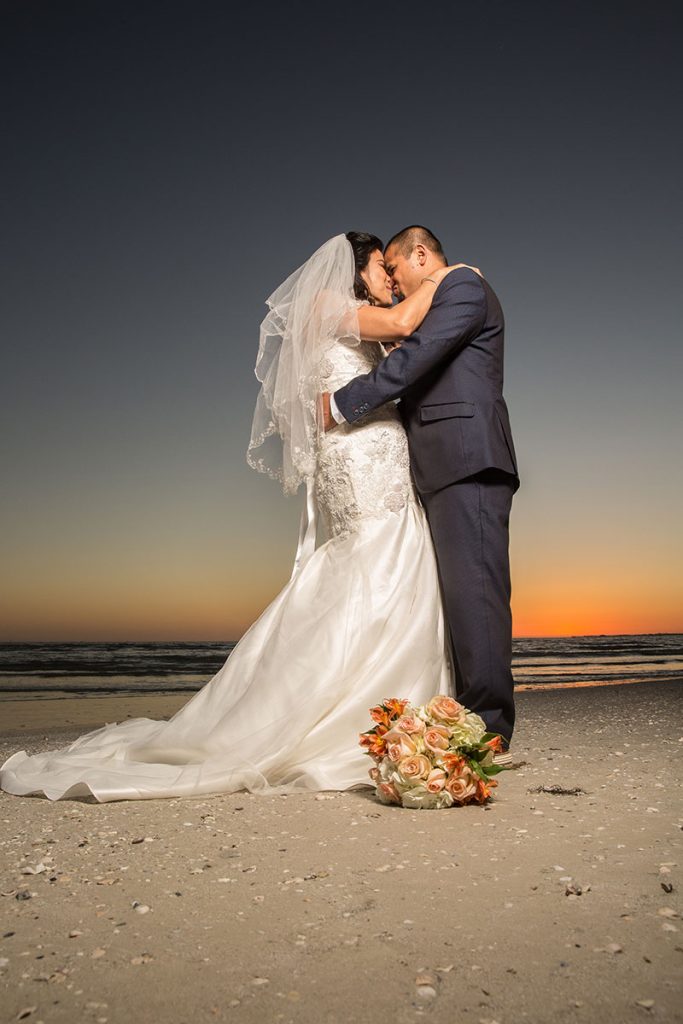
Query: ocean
x=104, y=668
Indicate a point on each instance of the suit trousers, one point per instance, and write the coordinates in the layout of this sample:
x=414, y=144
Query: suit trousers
x=469, y=522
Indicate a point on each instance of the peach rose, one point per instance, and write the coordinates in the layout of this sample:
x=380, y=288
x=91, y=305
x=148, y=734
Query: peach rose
x=374, y=773
x=436, y=738
x=399, y=745
x=436, y=780
x=416, y=767
x=462, y=786
x=445, y=709
x=410, y=724
x=387, y=793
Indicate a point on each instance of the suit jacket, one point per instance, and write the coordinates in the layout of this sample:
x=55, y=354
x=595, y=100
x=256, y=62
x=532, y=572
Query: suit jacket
x=449, y=376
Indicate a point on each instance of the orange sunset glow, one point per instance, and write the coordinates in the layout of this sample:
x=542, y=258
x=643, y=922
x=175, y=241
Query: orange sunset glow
x=212, y=587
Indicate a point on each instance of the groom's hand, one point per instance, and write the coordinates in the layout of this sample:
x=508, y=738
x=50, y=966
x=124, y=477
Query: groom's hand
x=327, y=420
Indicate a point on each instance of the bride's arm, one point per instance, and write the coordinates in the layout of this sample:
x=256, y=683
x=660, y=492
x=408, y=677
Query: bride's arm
x=393, y=323
x=390, y=323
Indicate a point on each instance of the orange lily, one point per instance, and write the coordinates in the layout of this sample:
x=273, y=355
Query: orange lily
x=376, y=745
x=453, y=761
x=495, y=744
x=379, y=714
x=395, y=707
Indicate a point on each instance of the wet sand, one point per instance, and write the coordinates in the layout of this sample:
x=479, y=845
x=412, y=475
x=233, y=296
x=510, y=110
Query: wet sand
x=330, y=907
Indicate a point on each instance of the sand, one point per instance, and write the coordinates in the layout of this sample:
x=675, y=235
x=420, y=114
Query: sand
x=64, y=718
x=330, y=907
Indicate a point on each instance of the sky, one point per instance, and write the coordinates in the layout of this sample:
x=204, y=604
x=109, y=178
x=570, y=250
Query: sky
x=167, y=165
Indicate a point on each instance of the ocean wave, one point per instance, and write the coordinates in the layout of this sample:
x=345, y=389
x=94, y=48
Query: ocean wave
x=149, y=667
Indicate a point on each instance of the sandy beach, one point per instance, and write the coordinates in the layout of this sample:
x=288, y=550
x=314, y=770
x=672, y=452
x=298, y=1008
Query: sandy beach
x=544, y=905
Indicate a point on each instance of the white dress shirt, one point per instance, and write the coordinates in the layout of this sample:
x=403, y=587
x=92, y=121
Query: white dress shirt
x=334, y=409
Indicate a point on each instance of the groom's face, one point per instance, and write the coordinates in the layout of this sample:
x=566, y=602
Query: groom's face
x=405, y=272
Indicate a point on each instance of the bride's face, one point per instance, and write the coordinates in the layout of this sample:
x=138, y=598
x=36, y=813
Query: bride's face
x=376, y=278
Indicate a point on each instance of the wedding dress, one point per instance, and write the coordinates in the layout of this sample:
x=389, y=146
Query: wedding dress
x=360, y=620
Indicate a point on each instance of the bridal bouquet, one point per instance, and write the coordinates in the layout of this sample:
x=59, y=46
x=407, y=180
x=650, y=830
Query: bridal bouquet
x=432, y=756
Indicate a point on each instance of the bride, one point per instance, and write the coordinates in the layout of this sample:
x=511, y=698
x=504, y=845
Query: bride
x=360, y=618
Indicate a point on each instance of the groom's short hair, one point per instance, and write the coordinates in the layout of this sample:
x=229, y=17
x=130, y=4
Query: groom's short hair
x=406, y=239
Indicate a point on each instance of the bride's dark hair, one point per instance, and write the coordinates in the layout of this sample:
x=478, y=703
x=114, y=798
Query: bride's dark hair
x=363, y=246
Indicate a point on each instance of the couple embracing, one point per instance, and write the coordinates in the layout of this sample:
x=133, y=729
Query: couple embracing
x=392, y=417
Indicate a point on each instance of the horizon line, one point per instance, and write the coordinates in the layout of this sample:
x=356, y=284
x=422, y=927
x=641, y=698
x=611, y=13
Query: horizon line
x=151, y=640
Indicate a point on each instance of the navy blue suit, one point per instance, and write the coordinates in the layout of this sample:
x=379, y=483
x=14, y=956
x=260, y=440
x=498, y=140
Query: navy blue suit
x=449, y=377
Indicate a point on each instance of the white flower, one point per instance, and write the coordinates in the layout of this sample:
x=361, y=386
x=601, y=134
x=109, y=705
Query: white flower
x=419, y=798
x=469, y=732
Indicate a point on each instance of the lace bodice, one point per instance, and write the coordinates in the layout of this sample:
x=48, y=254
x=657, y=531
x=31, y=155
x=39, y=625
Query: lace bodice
x=363, y=469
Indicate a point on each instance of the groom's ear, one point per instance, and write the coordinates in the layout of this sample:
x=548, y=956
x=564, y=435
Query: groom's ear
x=420, y=254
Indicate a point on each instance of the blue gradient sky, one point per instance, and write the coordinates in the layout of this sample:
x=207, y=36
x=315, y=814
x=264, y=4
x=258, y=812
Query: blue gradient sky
x=167, y=165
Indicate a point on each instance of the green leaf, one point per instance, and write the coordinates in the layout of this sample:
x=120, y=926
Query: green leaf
x=481, y=772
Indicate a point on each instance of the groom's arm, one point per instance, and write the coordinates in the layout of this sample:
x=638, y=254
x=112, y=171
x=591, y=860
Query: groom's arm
x=457, y=315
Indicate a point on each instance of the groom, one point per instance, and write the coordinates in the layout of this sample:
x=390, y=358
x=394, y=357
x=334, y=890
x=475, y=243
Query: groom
x=449, y=377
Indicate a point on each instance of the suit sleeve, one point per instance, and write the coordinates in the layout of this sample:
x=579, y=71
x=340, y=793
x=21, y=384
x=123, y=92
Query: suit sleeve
x=457, y=315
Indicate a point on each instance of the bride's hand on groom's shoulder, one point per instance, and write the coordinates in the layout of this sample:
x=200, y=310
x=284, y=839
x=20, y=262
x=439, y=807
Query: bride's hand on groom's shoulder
x=438, y=275
x=469, y=267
